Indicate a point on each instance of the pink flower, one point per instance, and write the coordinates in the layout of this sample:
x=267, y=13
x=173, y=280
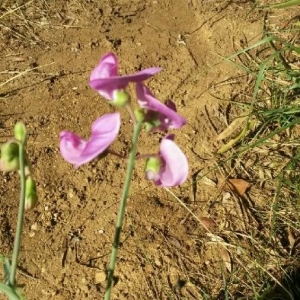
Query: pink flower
x=170, y=168
x=105, y=79
x=158, y=116
x=77, y=151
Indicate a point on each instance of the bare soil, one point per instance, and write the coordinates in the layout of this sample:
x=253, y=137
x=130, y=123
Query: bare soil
x=48, y=49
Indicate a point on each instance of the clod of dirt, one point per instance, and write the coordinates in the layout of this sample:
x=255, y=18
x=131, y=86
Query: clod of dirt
x=100, y=277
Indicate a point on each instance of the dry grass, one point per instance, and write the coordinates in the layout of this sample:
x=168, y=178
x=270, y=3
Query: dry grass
x=248, y=247
x=260, y=229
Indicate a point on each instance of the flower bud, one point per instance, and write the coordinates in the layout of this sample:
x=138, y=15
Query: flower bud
x=139, y=114
x=20, y=132
x=152, y=125
x=152, y=121
x=9, y=160
x=30, y=193
x=152, y=168
x=121, y=98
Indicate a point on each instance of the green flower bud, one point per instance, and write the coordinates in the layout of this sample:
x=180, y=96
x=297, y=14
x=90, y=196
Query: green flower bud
x=20, y=132
x=152, y=120
x=152, y=124
x=121, y=98
x=31, y=198
x=139, y=114
x=152, y=168
x=9, y=160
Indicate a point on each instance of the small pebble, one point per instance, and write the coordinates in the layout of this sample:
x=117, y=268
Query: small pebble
x=100, y=277
x=34, y=226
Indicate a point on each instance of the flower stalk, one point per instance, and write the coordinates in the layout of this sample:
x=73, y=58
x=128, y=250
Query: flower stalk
x=168, y=167
x=17, y=242
x=123, y=202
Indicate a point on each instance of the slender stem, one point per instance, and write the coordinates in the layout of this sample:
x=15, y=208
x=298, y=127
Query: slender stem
x=123, y=201
x=17, y=242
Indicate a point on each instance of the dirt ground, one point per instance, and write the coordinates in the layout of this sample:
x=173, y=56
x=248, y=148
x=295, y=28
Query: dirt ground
x=48, y=49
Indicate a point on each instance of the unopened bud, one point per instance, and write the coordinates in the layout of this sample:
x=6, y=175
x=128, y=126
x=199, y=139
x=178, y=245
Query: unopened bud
x=152, y=121
x=152, y=168
x=121, y=98
x=31, y=198
x=9, y=160
x=139, y=114
x=20, y=132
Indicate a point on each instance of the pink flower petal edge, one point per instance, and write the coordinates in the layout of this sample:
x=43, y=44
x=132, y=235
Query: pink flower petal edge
x=104, y=77
x=168, y=116
x=77, y=151
x=175, y=169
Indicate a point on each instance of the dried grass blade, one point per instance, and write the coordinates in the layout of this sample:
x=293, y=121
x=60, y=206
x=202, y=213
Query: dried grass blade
x=233, y=126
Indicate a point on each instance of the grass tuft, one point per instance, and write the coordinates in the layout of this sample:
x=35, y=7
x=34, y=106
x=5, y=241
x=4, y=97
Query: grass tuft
x=261, y=229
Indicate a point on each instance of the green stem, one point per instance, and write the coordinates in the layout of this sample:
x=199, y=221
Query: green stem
x=121, y=212
x=17, y=242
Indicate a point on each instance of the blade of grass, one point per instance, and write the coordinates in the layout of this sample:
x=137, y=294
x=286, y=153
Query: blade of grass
x=285, y=4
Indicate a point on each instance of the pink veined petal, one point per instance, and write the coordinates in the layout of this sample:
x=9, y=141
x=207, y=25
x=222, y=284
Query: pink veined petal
x=105, y=80
x=175, y=171
x=107, y=67
x=104, y=132
x=78, y=151
x=71, y=146
x=169, y=116
x=142, y=75
x=106, y=86
x=108, y=123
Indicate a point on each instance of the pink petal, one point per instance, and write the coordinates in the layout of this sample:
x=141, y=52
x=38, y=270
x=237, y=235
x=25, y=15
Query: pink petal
x=104, y=132
x=107, y=67
x=168, y=115
x=71, y=146
x=106, y=86
x=104, y=77
x=175, y=171
x=78, y=152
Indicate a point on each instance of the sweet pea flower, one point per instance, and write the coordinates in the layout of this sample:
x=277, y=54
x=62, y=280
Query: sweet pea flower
x=77, y=151
x=170, y=167
x=106, y=81
x=158, y=115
